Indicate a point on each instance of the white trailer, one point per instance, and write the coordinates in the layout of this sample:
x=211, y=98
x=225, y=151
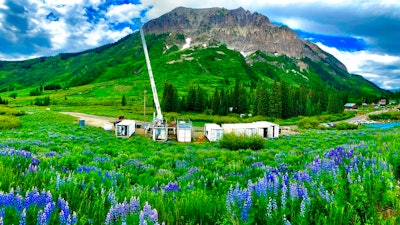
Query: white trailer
x=267, y=129
x=184, y=130
x=125, y=128
x=213, y=131
x=248, y=129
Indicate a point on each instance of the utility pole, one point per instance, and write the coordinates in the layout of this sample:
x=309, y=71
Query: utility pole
x=144, y=106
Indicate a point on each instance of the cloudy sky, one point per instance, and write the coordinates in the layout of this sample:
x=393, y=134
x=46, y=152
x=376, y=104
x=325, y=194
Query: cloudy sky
x=363, y=34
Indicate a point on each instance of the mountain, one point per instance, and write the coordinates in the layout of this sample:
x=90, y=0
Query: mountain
x=208, y=47
x=241, y=30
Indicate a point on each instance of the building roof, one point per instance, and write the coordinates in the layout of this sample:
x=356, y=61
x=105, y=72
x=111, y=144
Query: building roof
x=213, y=126
x=350, y=105
x=127, y=122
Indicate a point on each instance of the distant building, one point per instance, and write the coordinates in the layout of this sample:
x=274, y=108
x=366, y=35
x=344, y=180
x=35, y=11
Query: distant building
x=350, y=106
x=382, y=102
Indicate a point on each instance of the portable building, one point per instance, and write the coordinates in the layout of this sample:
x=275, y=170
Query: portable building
x=248, y=129
x=160, y=133
x=213, y=131
x=267, y=129
x=125, y=128
x=184, y=130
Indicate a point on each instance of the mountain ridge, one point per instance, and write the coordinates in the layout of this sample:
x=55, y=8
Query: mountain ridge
x=241, y=30
x=212, y=65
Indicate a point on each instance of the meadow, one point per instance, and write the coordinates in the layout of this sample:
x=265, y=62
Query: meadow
x=52, y=171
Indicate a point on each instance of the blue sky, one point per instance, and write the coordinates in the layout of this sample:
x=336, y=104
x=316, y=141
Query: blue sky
x=363, y=34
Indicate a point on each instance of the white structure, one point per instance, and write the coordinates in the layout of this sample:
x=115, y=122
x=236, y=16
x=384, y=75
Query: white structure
x=240, y=128
x=213, y=131
x=125, y=128
x=262, y=128
x=159, y=125
x=266, y=129
x=184, y=130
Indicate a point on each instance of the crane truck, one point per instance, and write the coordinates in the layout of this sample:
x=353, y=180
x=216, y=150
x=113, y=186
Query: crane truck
x=159, y=126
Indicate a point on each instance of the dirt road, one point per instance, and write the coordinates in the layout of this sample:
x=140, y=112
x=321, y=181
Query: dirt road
x=364, y=116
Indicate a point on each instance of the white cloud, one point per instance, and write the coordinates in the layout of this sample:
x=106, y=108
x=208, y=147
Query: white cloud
x=160, y=7
x=369, y=65
x=355, y=61
x=2, y=5
x=123, y=13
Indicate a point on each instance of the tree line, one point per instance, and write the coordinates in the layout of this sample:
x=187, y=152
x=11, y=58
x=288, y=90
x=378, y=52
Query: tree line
x=279, y=100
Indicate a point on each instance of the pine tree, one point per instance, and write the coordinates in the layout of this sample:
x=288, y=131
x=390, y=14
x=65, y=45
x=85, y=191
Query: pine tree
x=200, y=100
x=123, y=101
x=170, y=100
x=275, y=102
x=216, y=102
x=223, y=110
x=191, y=99
x=262, y=100
x=285, y=100
x=241, y=98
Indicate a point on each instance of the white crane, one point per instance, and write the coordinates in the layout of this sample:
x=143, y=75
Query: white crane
x=159, y=126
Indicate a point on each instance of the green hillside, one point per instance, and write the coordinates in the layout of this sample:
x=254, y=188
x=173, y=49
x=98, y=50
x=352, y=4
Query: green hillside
x=101, y=76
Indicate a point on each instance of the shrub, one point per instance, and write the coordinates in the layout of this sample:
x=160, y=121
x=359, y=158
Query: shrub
x=386, y=116
x=235, y=142
x=52, y=87
x=9, y=122
x=35, y=92
x=307, y=123
x=346, y=126
x=11, y=112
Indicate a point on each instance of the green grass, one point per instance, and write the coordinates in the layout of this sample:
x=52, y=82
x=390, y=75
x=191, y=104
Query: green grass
x=138, y=166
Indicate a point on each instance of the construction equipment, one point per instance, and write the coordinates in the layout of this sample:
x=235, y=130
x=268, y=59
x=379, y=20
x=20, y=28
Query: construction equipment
x=158, y=127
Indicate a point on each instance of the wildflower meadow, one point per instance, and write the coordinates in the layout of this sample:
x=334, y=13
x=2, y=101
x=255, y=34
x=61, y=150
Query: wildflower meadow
x=52, y=171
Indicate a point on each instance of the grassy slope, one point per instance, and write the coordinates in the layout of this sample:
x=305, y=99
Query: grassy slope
x=119, y=69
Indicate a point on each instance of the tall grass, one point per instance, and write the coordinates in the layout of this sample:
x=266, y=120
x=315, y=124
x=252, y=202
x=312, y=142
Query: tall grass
x=9, y=122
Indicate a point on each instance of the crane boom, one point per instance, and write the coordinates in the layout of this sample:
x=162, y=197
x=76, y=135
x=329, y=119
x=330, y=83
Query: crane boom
x=153, y=84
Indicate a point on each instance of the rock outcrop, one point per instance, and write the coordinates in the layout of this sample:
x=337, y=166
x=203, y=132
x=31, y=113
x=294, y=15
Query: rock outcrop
x=240, y=30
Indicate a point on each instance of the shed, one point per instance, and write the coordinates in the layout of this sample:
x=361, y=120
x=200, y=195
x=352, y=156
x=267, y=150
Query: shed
x=267, y=129
x=184, y=130
x=240, y=128
x=213, y=131
x=350, y=106
x=125, y=128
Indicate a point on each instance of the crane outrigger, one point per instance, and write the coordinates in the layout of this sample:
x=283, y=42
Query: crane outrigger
x=159, y=126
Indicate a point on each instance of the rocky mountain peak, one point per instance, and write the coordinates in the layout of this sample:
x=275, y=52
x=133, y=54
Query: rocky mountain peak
x=239, y=29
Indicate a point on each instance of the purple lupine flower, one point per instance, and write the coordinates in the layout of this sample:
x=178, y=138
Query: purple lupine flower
x=148, y=213
x=257, y=164
x=260, y=187
x=193, y=170
x=62, y=218
x=18, y=203
x=59, y=181
x=246, y=207
x=50, y=154
x=171, y=186
x=283, y=196
x=303, y=208
x=35, y=161
x=74, y=218
x=134, y=205
x=32, y=168
x=112, y=198
x=293, y=191
x=269, y=208
x=2, y=211
x=22, y=220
